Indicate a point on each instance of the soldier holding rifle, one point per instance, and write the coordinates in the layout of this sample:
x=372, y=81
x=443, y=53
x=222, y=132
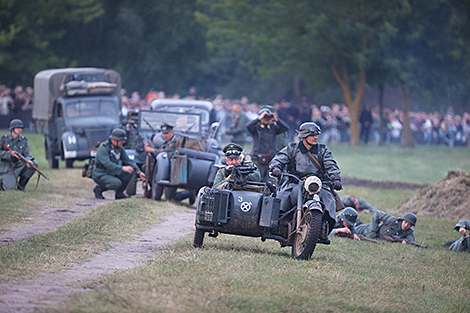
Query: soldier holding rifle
x=15, y=173
x=385, y=226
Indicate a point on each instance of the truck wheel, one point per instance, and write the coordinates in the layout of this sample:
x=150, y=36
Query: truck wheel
x=132, y=185
x=69, y=163
x=306, y=238
x=198, y=238
x=53, y=162
x=170, y=193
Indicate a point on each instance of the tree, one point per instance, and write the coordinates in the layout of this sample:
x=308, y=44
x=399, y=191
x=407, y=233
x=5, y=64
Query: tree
x=324, y=41
x=28, y=29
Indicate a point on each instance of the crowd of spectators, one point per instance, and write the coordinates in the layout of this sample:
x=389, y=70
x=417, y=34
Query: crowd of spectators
x=16, y=103
x=427, y=128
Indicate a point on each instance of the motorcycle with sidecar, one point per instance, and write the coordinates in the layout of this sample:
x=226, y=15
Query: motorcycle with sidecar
x=248, y=208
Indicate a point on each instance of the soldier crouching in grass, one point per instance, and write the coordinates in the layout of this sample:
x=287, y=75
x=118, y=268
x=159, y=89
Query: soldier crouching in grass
x=113, y=168
x=386, y=225
x=15, y=174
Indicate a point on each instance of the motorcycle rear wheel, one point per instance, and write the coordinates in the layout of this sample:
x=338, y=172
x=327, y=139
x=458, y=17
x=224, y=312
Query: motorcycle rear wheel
x=198, y=238
x=305, y=241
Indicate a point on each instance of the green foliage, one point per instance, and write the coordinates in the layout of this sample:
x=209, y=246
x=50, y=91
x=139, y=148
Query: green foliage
x=28, y=31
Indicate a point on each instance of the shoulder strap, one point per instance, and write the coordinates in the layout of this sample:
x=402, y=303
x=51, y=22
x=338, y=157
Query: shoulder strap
x=316, y=162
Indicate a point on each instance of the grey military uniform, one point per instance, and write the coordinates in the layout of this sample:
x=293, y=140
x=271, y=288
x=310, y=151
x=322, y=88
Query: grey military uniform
x=264, y=142
x=384, y=224
x=238, y=130
x=363, y=205
x=339, y=224
x=13, y=171
x=108, y=171
x=461, y=244
x=221, y=176
x=294, y=157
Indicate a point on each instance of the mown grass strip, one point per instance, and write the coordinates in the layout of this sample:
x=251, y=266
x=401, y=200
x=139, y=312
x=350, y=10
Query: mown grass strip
x=239, y=274
x=79, y=239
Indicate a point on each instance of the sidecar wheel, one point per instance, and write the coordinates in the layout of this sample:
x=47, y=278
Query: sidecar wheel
x=198, y=238
x=305, y=241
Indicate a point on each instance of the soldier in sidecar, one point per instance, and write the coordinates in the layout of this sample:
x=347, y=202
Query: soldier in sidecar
x=300, y=213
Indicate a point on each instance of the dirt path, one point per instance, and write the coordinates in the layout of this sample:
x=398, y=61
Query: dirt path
x=49, y=219
x=46, y=291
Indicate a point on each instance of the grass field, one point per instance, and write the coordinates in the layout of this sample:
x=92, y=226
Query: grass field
x=239, y=274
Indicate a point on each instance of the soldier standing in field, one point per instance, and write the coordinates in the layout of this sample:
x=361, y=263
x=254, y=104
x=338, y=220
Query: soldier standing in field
x=264, y=130
x=462, y=244
x=15, y=174
x=113, y=168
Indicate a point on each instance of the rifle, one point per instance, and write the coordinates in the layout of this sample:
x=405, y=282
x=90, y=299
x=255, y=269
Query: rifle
x=24, y=160
x=343, y=235
x=398, y=239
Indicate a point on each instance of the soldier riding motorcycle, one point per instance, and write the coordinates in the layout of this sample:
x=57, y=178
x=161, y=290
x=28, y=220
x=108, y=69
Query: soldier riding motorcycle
x=299, y=213
x=306, y=160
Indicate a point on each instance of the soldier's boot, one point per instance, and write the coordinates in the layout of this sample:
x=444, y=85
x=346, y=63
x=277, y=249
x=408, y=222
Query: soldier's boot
x=192, y=197
x=120, y=191
x=98, y=190
x=22, y=183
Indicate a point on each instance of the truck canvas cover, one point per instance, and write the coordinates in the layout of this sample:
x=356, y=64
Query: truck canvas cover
x=50, y=85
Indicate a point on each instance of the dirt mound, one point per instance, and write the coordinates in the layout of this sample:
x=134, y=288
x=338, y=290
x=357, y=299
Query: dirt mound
x=449, y=198
x=379, y=184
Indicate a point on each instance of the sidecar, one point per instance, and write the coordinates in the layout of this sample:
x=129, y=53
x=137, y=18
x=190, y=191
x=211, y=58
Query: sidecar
x=254, y=211
x=237, y=212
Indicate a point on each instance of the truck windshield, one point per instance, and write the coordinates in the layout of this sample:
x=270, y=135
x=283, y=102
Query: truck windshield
x=91, y=108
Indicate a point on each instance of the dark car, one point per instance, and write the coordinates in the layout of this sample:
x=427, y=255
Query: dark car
x=205, y=108
x=192, y=165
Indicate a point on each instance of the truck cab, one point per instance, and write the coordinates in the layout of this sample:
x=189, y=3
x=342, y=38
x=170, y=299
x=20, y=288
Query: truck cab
x=75, y=109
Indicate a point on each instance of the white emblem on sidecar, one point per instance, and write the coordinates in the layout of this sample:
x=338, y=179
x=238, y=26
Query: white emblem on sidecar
x=240, y=199
x=246, y=206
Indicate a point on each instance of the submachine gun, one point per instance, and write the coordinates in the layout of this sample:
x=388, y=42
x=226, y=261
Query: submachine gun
x=239, y=173
x=398, y=239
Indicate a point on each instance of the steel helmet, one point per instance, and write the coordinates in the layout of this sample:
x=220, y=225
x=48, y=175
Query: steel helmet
x=410, y=217
x=118, y=134
x=16, y=123
x=308, y=129
x=349, y=215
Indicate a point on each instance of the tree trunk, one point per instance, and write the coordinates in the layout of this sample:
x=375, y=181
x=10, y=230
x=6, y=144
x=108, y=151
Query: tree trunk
x=408, y=140
x=353, y=105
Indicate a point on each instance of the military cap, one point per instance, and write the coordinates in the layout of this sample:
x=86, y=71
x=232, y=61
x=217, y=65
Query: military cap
x=118, y=134
x=16, y=123
x=232, y=150
x=410, y=217
x=166, y=128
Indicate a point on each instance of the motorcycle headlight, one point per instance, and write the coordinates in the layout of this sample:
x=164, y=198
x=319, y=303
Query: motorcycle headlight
x=312, y=184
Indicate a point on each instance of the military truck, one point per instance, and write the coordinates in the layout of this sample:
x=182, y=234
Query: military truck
x=75, y=109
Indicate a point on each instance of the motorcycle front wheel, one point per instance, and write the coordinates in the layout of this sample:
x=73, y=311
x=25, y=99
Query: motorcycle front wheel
x=306, y=237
